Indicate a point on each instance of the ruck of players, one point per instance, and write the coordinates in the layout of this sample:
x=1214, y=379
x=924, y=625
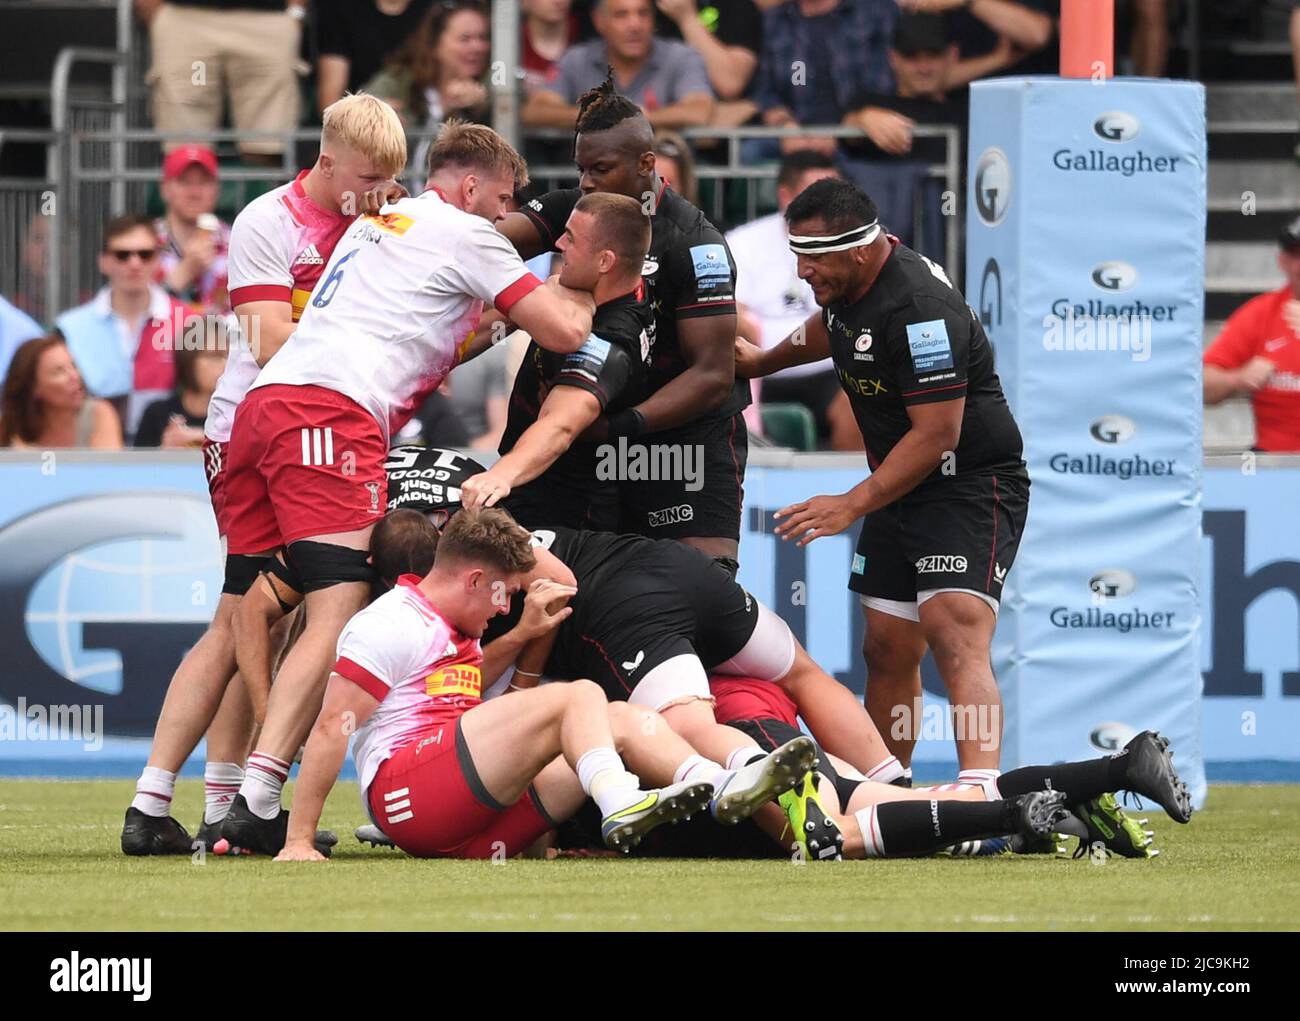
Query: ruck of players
x=542, y=656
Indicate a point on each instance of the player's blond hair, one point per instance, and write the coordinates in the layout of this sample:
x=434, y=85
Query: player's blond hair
x=368, y=125
x=475, y=147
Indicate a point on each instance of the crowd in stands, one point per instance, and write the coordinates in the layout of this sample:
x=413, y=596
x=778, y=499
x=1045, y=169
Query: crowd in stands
x=880, y=68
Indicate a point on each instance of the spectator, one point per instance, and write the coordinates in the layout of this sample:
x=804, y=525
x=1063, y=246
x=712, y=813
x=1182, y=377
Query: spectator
x=728, y=34
x=1149, y=47
x=675, y=163
x=477, y=395
x=886, y=164
x=980, y=26
x=436, y=424
x=122, y=339
x=354, y=39
x=192, y=242
x=440, y=70
x=819, y=57
x=16, y=328
x=206, y=50
x=549, y=28
x=1257, y=355
x=45, y=403
x=177, y=421
x=768, y=286
x=33, y=273
x=667, y=79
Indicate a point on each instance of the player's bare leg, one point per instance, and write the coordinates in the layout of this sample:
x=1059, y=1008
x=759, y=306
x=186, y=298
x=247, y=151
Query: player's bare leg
x=511, y=740
x=192, y=702
x=893, y=648
x=958, y=627
x=834, y=714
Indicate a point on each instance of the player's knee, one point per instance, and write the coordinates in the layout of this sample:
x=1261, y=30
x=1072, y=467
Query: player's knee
x=584, y=692
x=241, y=571
x=886, y=658
x=320, y=565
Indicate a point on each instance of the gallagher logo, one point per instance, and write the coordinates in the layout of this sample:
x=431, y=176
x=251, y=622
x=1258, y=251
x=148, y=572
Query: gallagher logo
x=1116, y=126
x=1114, y=276
x=1113, y=583
x=992, y=187
x=1113, y=429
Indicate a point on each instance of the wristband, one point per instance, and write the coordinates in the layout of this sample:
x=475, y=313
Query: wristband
x=526, y=673
x=629, y=423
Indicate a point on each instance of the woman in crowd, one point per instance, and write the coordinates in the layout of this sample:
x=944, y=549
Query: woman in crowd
x=177, y=421
x=45, y=404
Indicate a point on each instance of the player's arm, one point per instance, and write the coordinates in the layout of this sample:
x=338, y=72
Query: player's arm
x=1231, y=368
x=261, y=285
x=565, y=413
x=557, y=317
x=809, y=343
x=708, y=346
x=347, y=706
x=536, y=227
x=545, y=608
x=267, y=325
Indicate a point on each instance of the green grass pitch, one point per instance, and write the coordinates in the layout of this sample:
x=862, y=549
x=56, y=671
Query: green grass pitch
x=1236, y=866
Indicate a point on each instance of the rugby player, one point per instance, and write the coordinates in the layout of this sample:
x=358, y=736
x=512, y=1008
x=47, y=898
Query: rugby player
x=279, y=245
x=393, y=313
x=945, y=505
x=444, y=774
x=883, y=820
x=545, y=474
x=649, y=617
x=694, y=404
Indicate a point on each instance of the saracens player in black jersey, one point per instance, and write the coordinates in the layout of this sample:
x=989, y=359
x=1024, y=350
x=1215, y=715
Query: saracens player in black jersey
x=547, y=476
x=945, y=505
x=694, y=406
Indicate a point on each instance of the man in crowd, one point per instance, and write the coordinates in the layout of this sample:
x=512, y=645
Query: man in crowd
x=193, y=242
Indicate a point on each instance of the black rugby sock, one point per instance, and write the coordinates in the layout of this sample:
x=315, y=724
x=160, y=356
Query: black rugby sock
x=911, y=828
x=1080, y=781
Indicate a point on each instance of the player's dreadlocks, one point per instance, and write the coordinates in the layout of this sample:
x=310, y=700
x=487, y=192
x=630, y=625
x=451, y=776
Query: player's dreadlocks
x=601, y=108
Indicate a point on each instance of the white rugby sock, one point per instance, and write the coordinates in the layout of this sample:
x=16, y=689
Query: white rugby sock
x=263, y=781
x=887, y=770
x=607, y=781
x=221, y=782
x=153, y=791
x=698, y=768
x=873, y=844
x=987, y=779
x=744, y=755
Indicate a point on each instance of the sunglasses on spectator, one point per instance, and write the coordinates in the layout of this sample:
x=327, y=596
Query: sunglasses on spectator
x=124, y=254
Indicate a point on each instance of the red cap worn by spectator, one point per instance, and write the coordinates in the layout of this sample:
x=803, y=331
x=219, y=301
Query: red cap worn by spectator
x=181, y=159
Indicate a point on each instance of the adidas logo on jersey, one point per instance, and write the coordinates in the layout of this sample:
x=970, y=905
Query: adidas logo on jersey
x=309, y=257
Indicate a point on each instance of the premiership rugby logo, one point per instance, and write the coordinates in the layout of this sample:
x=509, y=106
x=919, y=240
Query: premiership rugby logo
x=941, y=564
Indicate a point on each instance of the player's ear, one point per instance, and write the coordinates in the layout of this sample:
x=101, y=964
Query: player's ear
x=327, y=164
x=606, y=261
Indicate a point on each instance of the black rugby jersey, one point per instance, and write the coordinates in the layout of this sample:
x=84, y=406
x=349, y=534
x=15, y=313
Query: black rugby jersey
x=912, y=339
x=612, y=366
x=689, y=272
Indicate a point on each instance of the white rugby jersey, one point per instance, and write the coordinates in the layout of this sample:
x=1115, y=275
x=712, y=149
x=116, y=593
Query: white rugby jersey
x=396, y=305
x=279, y=246
x=423, y=671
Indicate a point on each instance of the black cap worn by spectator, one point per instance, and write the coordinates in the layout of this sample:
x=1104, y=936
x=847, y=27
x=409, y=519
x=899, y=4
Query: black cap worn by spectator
x=1289, y=239
x=920, y=33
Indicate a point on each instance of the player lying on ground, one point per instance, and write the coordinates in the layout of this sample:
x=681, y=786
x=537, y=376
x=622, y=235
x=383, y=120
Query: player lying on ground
x=444, y=774
x=882, y=820
x=649, y=618
x=278, y=248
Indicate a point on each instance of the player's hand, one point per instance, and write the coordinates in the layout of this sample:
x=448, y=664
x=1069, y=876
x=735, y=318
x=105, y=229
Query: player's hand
x=484, y=490
x=199, y=253
x=545, y=607
x=583, y=299
x=1255, y=373
x=812, y=519
x=379, y=196
x=891, y=131
x=296, y=850
x=749, y=359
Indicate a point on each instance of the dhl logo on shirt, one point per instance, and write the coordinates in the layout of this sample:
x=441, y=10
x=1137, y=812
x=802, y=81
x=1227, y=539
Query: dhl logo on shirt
x=457, y=679
x=299, y=299
x=392, y=223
